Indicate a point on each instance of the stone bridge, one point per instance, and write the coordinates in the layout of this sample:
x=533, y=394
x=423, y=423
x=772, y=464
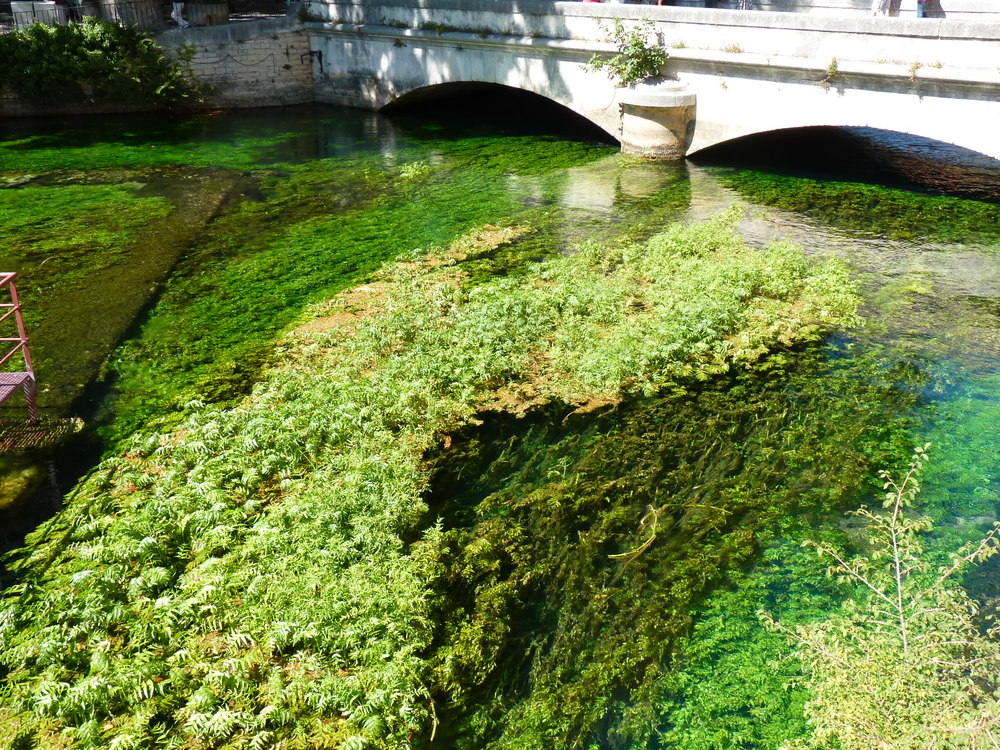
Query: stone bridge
x=730, y=73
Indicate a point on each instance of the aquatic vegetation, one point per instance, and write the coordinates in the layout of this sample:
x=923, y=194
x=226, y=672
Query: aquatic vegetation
x=874, y=209
x=305, y=232
x=210, y=336
x=266, y=572
x=288, y=229
x=577, y=562
x=553, y=536
x=192, y=142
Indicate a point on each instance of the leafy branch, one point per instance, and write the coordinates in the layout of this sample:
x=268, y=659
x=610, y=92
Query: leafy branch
x=90, y=59
x=904, y=665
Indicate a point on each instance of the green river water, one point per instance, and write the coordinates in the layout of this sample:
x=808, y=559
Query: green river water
x=158, y=263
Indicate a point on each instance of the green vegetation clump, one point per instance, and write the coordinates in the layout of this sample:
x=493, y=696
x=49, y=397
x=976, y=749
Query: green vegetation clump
x=906, y=662
x=832, y=76
x=93, y=59
x=637, y=58
x=874, y=209
x=265, y=574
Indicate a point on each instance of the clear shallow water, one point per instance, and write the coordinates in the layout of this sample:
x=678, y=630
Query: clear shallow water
x=159, y=262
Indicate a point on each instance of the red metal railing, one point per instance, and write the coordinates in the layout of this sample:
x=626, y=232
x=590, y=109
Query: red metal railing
x=12, y=345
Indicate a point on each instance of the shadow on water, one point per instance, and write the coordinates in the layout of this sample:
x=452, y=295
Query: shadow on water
x=482, y=109
x=863, y=155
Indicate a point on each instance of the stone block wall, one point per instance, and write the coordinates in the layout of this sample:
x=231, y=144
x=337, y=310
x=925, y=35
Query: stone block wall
x=254, y=64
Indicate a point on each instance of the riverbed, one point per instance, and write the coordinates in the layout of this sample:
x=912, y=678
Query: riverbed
x=159, y=262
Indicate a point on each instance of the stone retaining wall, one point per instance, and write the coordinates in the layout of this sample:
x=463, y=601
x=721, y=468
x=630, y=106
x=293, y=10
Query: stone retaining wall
x=262, y=63
x=253, y=64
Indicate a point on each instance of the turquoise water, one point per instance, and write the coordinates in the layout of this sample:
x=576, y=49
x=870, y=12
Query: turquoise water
x=159, y=262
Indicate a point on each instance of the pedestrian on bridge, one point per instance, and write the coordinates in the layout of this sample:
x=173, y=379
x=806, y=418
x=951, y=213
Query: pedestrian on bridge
x=922, y=8
x=177, y=13
x=881, y=7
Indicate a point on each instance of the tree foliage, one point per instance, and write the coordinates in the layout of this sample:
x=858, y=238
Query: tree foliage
x=93, y=59
x=905, y=664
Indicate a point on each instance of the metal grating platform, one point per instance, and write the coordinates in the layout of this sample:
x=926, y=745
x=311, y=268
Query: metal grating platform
x=12, y=382
x=16, y=343
x=43, y=434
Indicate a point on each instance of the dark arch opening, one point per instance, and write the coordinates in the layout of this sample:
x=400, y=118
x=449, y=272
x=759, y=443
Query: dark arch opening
x=492, y=108
x=867, y=155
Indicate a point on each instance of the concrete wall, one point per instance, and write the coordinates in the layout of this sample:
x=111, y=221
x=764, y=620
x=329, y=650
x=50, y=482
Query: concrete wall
x=251, y=64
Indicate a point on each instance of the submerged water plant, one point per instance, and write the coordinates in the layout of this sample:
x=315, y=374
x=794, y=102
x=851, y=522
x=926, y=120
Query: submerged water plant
x=264, y=574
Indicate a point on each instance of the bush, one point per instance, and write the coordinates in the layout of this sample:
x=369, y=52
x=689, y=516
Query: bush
x=93, y=59
x=636, y=60
x=905, y=663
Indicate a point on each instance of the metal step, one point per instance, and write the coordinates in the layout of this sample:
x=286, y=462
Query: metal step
x=12, y=382
x=14, y=347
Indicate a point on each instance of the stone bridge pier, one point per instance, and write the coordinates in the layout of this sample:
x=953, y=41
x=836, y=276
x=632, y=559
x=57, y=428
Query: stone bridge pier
x=729, y=74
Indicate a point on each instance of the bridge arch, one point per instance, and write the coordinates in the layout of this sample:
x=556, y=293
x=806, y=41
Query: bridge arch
x=509, y=102
x=739, y=103
x=934, y=132
x=863, y=155
x=786, y=72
